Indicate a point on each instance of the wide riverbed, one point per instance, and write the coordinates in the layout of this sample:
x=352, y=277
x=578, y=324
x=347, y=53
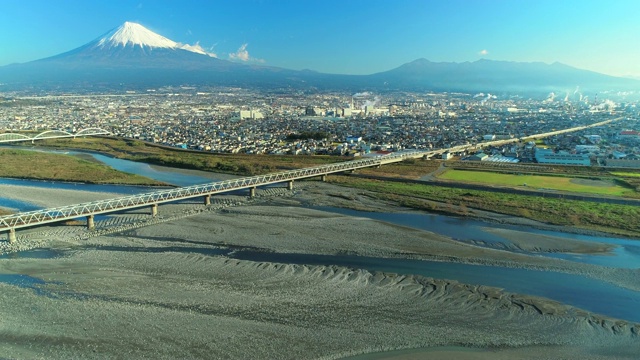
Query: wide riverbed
x=581, y=291
x=625, y=253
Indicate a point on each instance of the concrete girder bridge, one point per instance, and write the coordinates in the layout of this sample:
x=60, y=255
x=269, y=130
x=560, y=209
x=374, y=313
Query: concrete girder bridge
x=50, y=134
x=10, y=223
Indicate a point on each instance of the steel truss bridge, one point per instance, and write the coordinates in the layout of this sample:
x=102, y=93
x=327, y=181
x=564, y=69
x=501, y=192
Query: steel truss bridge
x=58, y=214
x=152, y=199
x=50, y=134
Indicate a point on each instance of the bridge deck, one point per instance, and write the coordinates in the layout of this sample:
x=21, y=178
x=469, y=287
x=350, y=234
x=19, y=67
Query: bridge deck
x=50, y=134
x=58, y=214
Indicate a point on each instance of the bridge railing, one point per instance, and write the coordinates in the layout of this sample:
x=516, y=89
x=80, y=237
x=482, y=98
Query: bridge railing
x=13, y=137
x=51, y=134
x=56, y=214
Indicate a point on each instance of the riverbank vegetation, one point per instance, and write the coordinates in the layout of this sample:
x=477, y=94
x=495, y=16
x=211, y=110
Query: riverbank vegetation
x=612, y=218
x=562, y=183
x=59, y=167
x=412, y=169
x=238, y=164
x=619, y=219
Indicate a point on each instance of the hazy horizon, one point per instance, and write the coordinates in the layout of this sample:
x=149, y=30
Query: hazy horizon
x=352, y=37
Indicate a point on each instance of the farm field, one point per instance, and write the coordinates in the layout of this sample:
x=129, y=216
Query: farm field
x=580, y=185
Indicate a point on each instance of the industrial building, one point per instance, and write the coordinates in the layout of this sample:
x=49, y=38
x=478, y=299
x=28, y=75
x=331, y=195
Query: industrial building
x=548, y=156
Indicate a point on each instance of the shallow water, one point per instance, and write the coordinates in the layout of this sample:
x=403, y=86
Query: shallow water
x=23, y=281
x=575, y=290
x=589, y=294
x=17, y=204
x=133, y=167
x=626, y=253
x=34, y=254
x=116, y=189
x=146, y=170
x=162, y=249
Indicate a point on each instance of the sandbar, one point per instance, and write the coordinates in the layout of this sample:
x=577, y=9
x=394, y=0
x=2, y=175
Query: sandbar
x=133, y=293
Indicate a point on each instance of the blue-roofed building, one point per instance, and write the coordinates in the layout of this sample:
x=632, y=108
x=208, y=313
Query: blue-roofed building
x=548, y=156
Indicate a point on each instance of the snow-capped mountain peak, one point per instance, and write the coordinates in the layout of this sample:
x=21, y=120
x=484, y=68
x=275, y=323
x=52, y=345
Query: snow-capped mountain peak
x=133, y=34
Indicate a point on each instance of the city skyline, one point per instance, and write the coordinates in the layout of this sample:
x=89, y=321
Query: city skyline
x=352, y=37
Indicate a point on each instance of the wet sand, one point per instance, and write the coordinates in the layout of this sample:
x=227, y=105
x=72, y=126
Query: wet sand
x=521, y=240
x=460, y=353
x=102, y=303
x=113, y=303
x=51, y=197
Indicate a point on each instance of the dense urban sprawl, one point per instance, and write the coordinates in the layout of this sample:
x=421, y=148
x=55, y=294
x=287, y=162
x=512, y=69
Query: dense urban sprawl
x=235, y=120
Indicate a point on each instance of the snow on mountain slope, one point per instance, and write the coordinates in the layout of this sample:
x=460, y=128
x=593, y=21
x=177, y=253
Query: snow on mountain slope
x=131, y=34
x=196, y=49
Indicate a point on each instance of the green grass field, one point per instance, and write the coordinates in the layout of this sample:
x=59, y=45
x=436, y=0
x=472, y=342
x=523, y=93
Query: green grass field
x=538, y=182
x=239, y=164
x=42, y=166
x=613, y=218
x=626, y=174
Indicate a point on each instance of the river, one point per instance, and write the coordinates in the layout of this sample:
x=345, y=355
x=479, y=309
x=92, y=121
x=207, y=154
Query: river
x=579, y=291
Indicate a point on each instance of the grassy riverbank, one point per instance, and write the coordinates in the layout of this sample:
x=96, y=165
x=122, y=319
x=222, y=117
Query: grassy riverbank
x=589, y=186
x=617, y=219
x=238, y=164
x=43, y=166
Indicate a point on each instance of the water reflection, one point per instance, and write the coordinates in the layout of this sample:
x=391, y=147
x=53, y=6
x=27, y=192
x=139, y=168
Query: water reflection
x=626, y=253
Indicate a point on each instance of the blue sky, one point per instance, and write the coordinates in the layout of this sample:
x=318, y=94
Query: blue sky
x=345, y=36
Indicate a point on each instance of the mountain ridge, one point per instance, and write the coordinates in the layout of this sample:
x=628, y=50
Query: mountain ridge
x=498, y=75
x=134, y=55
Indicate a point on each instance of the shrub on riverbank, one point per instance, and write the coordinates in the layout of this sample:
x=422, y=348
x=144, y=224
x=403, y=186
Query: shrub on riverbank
x=618, y=219
x=43, y=166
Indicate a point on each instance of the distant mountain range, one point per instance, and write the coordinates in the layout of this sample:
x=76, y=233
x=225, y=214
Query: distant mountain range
x=136, y=57
x=490, y=75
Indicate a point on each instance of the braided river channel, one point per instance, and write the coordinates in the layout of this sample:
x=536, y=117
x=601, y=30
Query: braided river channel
x=577, y=290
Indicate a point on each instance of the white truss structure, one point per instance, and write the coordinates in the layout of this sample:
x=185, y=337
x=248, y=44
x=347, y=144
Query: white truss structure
x=51, y=134
x=63, y=213
x=58, y=214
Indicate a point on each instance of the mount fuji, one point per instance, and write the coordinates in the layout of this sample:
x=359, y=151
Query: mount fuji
x=133, y=46
x=133, y=35
x=132, y=56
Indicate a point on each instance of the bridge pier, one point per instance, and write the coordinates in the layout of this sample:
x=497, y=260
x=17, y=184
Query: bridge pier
x=207, y=200
x=290, y=185
x=154, y=210
x=12, y=236
x=323, y=178
x=90, y=224
x=252, y=192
